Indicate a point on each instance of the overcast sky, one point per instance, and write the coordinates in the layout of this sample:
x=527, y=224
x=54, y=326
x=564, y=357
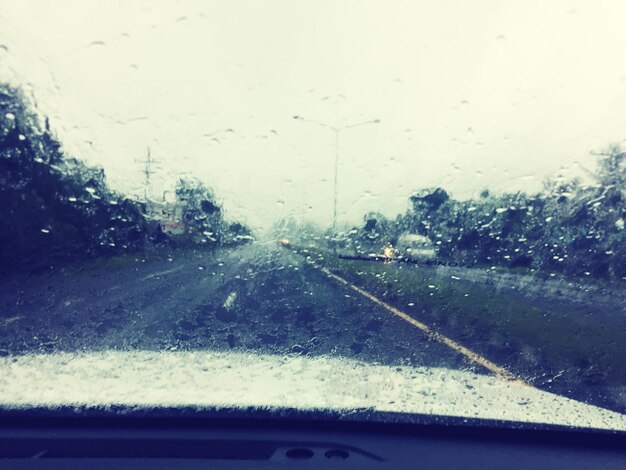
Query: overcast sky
x=469, y=94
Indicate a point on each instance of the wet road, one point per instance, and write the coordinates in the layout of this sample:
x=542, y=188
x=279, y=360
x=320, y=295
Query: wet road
x=257, y=298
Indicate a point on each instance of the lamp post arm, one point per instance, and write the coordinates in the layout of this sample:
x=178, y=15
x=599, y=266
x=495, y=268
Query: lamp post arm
x=373, y=121
x=317, y=123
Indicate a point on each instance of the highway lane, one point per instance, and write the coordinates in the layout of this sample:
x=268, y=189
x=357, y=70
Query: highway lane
x=256, y=298
x=267, y=299
x=560, y=335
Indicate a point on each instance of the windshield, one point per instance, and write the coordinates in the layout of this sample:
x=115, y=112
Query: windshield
x=315, y=205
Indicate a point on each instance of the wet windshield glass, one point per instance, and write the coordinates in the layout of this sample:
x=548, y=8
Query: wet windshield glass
x=315, y=205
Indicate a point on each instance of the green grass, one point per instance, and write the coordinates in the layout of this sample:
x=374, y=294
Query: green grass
x=530, y=340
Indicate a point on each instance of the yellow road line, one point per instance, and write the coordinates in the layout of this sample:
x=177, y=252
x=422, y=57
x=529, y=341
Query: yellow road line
x=497, y=370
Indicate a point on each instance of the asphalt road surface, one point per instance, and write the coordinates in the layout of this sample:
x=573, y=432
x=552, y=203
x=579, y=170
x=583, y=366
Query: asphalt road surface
x=268, y=299
x=258, y=298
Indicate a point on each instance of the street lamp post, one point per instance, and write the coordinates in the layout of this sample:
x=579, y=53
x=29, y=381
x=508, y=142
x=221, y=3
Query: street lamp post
x=336, y=131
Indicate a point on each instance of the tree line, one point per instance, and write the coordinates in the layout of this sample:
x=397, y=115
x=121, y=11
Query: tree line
x=568, y=227
x=54, y=207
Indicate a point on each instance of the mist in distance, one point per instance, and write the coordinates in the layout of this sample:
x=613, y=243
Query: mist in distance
x=489, y=94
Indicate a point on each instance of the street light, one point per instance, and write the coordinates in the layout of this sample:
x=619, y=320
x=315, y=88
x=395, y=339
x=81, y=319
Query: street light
x=336, y=131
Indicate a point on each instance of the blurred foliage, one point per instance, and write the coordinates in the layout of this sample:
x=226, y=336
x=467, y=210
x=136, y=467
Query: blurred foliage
x=567, y=228
x=53, y=207
x=203, y=216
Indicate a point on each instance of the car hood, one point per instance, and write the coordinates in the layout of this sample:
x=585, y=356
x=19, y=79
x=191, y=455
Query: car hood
x=222, y=379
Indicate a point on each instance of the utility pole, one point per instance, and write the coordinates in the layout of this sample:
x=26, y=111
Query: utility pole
x=148, y=171
x=336, y=131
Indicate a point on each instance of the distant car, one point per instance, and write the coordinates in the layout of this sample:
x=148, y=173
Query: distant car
x=416, y=247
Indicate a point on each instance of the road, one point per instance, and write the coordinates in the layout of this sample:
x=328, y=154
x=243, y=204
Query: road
x=258, y=298
x=267, y=299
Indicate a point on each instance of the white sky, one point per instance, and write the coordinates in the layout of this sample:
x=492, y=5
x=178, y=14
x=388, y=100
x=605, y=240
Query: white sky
x=470, y=94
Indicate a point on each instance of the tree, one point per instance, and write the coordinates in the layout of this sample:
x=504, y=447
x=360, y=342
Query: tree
x=201, y=214
x=53, y=207
x=611, y=169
